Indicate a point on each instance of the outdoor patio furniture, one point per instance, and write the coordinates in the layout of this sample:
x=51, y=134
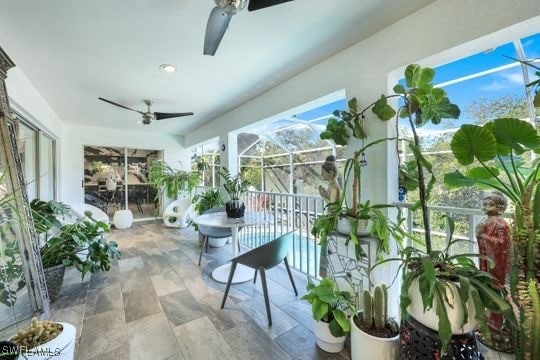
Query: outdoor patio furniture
x=213, y=232
x=176, y=213
x=264, y=258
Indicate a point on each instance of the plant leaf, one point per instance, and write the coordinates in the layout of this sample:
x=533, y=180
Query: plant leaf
x=517, y=134
x=383, y=110
x=473, y=141
x=342, y=320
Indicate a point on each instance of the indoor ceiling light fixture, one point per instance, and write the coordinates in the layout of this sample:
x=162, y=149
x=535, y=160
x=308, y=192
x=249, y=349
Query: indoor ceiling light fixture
x=168, y=68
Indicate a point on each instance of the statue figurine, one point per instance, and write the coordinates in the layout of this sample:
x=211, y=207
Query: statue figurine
x=493, y=236
x=329, y=173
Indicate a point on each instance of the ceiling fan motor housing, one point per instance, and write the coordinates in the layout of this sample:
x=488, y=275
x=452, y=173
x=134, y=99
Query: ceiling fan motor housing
x=147, y=119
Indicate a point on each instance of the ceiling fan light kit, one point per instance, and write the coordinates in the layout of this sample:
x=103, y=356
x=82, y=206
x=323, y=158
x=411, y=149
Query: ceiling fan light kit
x=221, y=15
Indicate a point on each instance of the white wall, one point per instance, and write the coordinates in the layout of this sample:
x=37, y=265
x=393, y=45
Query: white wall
x=25, y=99
x=28, y=102
x=76, y=136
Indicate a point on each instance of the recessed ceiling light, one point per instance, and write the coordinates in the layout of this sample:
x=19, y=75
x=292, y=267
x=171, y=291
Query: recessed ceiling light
x=167, y=68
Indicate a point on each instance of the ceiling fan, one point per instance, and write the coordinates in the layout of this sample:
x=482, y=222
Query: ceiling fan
x=148, y=116
x=221, y=15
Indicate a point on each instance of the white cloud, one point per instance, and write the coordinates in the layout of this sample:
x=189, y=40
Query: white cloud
x=494, y=86
x=515, y=77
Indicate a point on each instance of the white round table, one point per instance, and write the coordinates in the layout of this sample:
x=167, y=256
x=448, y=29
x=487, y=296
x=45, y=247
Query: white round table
x=220, y=219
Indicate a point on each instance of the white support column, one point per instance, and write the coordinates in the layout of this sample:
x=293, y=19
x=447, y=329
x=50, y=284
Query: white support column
x=229, y=152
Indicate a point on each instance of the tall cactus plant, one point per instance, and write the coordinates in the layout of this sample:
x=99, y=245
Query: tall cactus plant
x=525, y=274
x=376, y=307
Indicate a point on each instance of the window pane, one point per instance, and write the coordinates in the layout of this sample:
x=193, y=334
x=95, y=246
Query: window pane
x=483, y=61
x=46, y=168
x=27, y=150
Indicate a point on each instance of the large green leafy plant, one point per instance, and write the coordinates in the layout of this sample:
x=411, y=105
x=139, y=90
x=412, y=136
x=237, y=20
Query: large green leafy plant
x=81, y=244
x=421, y=103
x=234, y=186
x=169, y=181
x=330, y=305
x=499, y=150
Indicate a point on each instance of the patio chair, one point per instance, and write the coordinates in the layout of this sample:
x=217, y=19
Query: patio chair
x=213, y=232
x=264, y=258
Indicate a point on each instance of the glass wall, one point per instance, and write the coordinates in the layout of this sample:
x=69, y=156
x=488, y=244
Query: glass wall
x=108, y=177
x=46, y=168
x=27, y=143
x=37, y=151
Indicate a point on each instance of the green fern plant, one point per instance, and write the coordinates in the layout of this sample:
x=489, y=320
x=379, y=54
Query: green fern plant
x=169, y=181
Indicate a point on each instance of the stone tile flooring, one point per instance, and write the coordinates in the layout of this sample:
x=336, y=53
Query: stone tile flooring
x=156, y=303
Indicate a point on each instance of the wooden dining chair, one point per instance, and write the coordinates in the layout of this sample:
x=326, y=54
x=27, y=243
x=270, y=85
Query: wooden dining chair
x=261, y=259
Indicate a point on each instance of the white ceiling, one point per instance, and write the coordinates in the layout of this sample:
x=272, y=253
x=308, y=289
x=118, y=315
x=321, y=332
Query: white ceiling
x=75, y=51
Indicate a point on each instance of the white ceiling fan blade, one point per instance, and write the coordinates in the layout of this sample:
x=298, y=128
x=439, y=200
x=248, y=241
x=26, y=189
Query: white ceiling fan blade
x=215, y=29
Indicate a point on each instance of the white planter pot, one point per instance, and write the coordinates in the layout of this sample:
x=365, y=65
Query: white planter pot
x=455, y=314
x=344, y=226
x=213, y=242
x=325, y=340
x=491, y=354
x=365, y=346
x=123, y=219
x=61, y=347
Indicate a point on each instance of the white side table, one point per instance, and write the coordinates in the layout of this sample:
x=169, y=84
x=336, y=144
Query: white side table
x=220, y=219
x=123, y=219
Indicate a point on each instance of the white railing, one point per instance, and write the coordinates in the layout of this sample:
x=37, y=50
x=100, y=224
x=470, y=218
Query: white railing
x=465, y=219
x=294, y=212
x=291, y=212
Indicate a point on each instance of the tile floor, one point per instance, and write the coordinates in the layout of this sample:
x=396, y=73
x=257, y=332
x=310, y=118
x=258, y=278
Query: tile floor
x=156, y=303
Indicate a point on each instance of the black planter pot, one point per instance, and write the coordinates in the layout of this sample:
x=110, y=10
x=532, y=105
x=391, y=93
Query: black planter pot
x=420, y=342
x=8, y=350
x=235, y=209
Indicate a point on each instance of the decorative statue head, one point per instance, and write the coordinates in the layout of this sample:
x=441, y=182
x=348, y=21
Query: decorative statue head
x=329, y=169
x=494, y=203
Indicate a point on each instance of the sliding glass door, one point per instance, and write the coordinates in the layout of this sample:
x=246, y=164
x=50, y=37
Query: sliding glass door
x=117, y=178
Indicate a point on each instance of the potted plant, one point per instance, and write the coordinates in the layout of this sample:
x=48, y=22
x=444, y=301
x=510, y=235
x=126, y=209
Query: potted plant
x=174, y=184
x=443, y=291
x=81, y=244
x=45, y=340
x=498, y=149
x=209, y=199
x=329, y=307
x=235, y=187
x=373, y=335
x=356, y=219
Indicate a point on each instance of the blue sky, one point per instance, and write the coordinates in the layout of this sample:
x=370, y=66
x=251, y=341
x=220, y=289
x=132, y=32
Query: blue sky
x=506, y=82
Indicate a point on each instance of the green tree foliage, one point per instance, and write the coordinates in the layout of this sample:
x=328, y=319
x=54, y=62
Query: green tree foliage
x=484, y=110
